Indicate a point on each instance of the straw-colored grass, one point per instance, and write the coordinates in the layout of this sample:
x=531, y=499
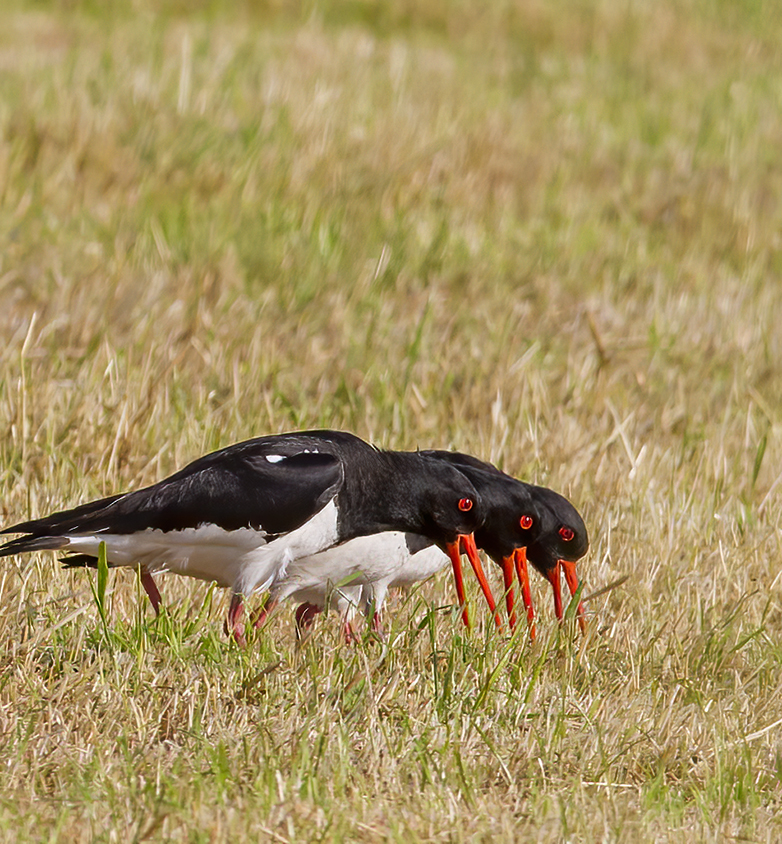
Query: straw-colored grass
x=547, y=233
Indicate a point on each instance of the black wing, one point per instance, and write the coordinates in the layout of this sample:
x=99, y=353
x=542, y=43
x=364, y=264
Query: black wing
x=274, y=484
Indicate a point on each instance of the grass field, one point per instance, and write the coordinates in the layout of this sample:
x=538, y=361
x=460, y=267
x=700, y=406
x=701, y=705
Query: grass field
x=547, y=233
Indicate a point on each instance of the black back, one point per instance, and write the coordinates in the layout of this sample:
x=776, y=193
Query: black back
x=233, y=488
x=399, y=490
x=276, y=484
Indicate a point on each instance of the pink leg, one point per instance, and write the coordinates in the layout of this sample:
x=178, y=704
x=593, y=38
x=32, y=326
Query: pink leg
x=234, y=626
x=305, y=616
x=377, y=626
x=151, y=589
x=262, y=613
x=348, y=633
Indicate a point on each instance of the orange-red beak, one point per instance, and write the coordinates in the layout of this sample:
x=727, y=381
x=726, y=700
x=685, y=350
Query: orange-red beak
x=466, y=542
x=552, y=575
x=507, y=580
x=469, y=548
x=458, y=578
x=520, y=559
x=571, y=578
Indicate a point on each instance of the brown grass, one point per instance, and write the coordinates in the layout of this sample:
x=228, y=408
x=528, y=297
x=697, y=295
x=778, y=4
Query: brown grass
x=544, y=233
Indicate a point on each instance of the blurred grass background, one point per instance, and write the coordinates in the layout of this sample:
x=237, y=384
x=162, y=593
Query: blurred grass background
x=545, y=233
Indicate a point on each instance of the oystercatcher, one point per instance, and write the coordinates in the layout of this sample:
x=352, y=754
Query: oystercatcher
x=525, y=522
x=522, y=521
x=242, y=515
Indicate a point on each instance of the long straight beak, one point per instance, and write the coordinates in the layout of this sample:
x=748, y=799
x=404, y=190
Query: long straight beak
x=552, y=575
x=571, y=578
x=520, y=558
x=456, y=562
x=469, y=547
x=507, y=579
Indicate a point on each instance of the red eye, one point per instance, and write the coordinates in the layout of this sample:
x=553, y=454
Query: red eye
x=566, y=533
x=526, y=522
x=465, y=504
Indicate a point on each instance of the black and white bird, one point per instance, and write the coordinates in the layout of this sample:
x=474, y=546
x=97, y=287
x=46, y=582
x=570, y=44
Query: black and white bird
x=242, y=515
x=522, y=521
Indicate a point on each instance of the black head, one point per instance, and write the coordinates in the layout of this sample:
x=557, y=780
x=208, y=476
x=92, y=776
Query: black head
x=520, y=515
x=515, y=517
x=450, y=506
x=563, y=535
x=525, y=523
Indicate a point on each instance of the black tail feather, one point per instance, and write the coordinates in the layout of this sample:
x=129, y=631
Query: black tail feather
x=63, y=521
x=73, y=561
x=25, y=544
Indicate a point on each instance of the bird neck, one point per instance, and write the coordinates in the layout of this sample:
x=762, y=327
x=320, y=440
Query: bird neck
x=385, y=490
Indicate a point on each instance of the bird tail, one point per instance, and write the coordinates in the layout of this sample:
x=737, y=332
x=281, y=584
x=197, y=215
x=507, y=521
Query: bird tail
x=75, y=561
x=25, y=544
x=58, y=524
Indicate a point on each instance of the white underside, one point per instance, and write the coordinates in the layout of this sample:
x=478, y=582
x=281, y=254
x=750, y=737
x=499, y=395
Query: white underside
x=241, y=559
x=355, y=563
x=358, y=573
x=421, y=566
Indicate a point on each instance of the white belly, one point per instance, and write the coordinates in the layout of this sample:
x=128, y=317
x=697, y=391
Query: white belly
x=420, y=566
x=346, y=567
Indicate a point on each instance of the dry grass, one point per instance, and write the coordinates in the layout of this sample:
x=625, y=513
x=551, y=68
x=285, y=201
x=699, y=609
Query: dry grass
x=546, y=233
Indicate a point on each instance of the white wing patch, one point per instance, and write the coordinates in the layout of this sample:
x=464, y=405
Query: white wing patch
x=357, y=572
x=420, y=566
x=241, y=559
x=277, y=458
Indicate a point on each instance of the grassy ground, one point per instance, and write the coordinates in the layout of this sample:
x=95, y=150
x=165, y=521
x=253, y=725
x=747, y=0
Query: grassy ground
x=547, y=233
